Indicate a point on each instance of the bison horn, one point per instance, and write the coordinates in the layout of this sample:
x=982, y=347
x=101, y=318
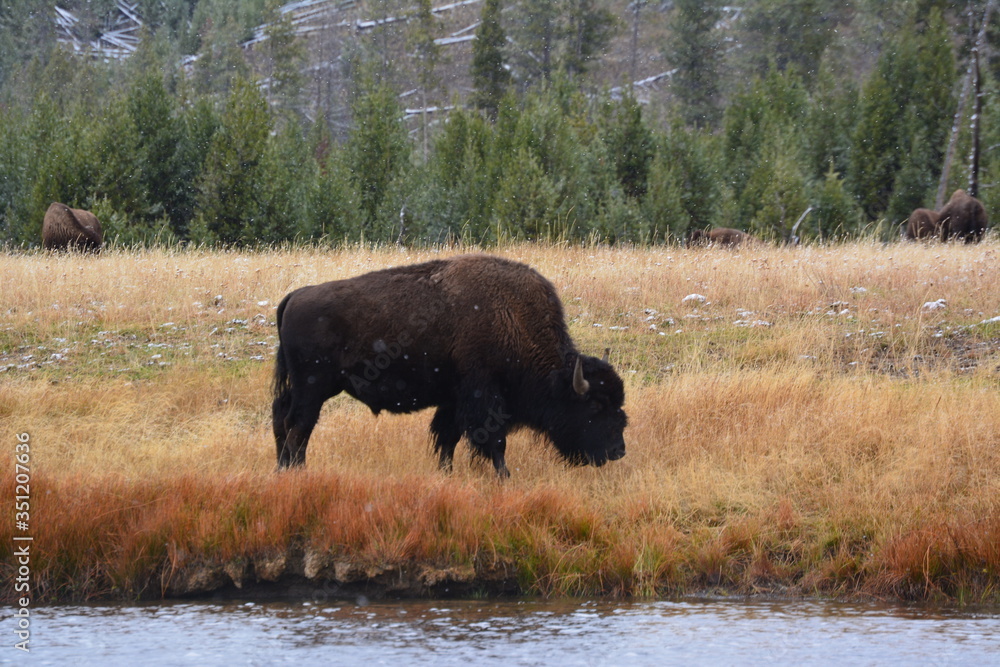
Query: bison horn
x=580, y=385
x=607, y=354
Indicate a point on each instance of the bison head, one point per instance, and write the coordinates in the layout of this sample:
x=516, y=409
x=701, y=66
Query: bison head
x=587, y=422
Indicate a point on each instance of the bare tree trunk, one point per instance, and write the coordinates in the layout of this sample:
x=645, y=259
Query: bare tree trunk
x=977, y=111
x=960, y=113
x=634, y=65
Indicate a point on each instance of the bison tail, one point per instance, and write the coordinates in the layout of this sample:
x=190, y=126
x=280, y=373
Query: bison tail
x=281, y=383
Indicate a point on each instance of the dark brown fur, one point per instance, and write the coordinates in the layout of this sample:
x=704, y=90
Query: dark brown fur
x=65, y=228
x=963, y=217
x=481, y=338
x=924, y=223
x=720, y=236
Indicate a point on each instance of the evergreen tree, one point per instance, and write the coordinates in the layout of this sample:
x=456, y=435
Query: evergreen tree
x=771, y=110
x=685, y=184
x=630, y=147
x=15, y=184
x=428, y=54
x=490, y=76
x=909, y=93
x=776, y=193
x=333, y=203
x=285, y=175
x=789, y=33
x=285, y=57
x=589, y=29
x=537, y=35
x=220, y=61
x=554, y=35
x=695, y=53
x=830, y=119
x=524, y=201
x=230, y=210
x=119, y=165
x=835, y=213
x=196, y=125
x=377, y=146
x=152, y=113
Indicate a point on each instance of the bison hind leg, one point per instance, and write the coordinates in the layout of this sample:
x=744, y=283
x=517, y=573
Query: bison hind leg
x=279, y=414
x=300, y=419
x=447, y=433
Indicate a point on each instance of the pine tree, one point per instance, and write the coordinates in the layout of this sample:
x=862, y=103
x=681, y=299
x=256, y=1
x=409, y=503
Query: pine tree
x=377, y=146
x=589, y=29
x=152, y=111
x=789, y=33
x=560, y=35
x=230, y=210
x=909, y=93
x=835, y=213
x=630, y=147
x=427, y=56
x=537, y=37
x=490, y=77
x=285, y=57
x=695, y=53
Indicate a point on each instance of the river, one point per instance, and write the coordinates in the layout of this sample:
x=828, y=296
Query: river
x=471, y=633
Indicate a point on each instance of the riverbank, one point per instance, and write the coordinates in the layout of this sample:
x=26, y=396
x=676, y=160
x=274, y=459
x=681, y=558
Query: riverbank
x=803, y=422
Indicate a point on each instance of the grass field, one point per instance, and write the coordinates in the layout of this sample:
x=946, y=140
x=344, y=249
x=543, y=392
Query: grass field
x=803, y=421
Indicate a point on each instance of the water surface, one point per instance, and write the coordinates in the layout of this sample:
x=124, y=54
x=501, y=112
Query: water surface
x=521, y=632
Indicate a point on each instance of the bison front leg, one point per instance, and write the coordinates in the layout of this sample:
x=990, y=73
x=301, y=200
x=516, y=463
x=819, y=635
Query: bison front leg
x=486, y=425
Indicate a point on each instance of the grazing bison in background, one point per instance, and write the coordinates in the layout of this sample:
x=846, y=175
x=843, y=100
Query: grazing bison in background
x=481, y=338
x=963, y=217
x=924, y=223
x=722, y=236
x=64, y=228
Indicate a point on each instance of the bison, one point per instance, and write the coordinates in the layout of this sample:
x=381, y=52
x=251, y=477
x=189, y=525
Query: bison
x=481, y=338
x=64, y=228
x=923, y=223
x=722, y=236
x=963, y=217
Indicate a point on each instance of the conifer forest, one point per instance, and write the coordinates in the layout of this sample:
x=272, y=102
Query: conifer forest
x=245, y=123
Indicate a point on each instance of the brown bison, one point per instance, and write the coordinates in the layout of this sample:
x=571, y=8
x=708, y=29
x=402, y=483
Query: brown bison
x=923, y=223
x=481, y=338
x=720, y=236
x=963, y=217
x=64, y=228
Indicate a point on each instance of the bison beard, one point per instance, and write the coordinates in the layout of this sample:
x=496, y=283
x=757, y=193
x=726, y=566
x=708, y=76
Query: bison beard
x=481, y=338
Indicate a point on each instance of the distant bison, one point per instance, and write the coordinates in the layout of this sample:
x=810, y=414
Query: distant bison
x=721, y=236
x=963, y=217
x=924, y=223
x=481, y=338
x=65, y=227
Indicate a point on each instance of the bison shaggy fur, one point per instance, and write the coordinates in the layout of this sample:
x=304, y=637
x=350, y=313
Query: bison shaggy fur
x=720, y=236
x=923, y=223
x=481, y=338
x=963, y=217
x=65, y=228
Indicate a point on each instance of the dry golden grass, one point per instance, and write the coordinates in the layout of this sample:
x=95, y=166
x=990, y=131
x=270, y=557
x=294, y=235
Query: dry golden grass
x=810, y=427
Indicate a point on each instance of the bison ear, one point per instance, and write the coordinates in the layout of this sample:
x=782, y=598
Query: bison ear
x=580, y=384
